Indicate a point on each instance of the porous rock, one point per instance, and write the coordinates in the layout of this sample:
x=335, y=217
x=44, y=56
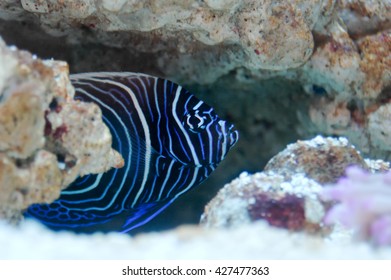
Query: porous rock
x=287, y=193
x=365, y=17
x=286, y=203
x=349, y=81
x=321, y=159
x=47, y=139
x=253, y=34
x=379, y=127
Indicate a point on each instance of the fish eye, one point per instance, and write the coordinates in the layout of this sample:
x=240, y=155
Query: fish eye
x=196, y=121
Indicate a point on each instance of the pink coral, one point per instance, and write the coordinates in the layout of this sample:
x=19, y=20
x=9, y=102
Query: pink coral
x=364, y=204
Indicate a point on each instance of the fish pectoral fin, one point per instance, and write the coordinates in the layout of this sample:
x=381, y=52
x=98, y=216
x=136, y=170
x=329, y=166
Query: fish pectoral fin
x=144, y=213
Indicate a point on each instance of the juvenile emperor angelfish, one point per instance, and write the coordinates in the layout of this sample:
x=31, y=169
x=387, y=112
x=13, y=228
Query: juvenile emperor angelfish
x=170, y=141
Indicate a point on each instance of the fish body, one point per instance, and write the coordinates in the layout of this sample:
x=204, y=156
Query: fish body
x=170, y=141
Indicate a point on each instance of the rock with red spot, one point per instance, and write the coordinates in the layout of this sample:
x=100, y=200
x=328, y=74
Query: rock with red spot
x=287, y=211
x=75, y=129
x=285, y=203
x=287, y=193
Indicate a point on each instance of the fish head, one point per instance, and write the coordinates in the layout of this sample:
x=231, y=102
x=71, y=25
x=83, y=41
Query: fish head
x=199, y=138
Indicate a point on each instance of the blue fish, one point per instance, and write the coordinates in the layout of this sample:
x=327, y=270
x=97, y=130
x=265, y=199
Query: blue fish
x=170, y=141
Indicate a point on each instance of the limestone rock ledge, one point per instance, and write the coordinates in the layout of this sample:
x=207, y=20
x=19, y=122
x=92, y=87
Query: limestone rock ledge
x=47, y=138
x=209, y=38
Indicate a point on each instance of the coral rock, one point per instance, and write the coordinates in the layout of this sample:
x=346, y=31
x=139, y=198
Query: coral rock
x=287, y=193
x=21, y=130
x=365, y=17
x=47, y=139
x=72, y=129
x=253, y=34
x=379, y=127
x=355, y=79
x=321, y=159
x=290, y=204
x=22, y=183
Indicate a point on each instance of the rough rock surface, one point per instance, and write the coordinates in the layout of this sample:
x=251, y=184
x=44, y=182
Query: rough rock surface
x=287, y=193
x=365, y=17
x=248, y=32
x=255, y=241
x=321, y=159
x=287, y=203
x=354, y=101
x=47, y=139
